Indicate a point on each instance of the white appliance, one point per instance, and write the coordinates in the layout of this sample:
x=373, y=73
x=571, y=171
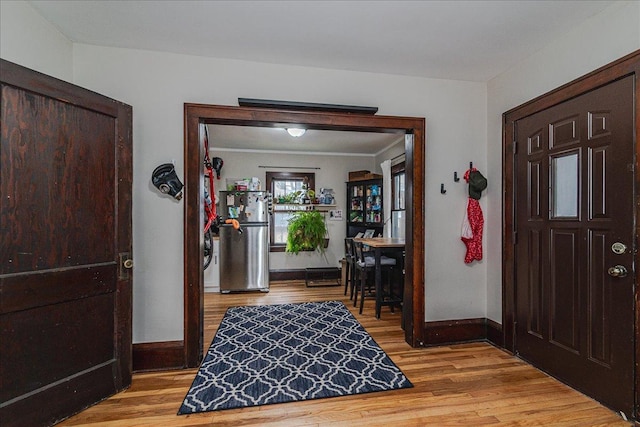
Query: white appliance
x=212, y=273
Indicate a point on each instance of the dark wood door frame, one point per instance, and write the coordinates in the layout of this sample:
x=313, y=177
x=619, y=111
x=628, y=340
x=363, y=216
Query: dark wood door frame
x=626, y=66
x=197, y=114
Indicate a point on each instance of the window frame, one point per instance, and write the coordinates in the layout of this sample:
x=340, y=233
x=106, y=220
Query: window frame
x=396, y=170
x=271, y=178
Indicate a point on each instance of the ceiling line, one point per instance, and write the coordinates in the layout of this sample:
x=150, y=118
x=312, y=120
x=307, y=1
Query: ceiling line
x=301, y=153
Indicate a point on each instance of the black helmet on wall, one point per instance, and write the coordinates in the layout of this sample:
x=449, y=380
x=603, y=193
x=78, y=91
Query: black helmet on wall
x=216, y=164
x=164, y=178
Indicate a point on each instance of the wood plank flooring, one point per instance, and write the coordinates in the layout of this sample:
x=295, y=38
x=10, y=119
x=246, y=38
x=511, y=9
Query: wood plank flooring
x=471, y=384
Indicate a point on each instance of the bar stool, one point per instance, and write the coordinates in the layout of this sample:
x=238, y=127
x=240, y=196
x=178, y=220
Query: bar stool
x=393, y=295
x=365, y=265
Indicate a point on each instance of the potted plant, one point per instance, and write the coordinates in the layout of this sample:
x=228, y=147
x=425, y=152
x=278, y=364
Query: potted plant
x=306, y=231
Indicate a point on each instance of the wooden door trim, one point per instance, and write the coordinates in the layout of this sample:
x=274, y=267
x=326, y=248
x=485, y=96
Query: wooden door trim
x=628, y=65
x=124, y=227
x=158, y=356
x=196, y=114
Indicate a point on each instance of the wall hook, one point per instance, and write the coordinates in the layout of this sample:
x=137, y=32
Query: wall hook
x=455, y=177
x=442, y=190
x=470, y=165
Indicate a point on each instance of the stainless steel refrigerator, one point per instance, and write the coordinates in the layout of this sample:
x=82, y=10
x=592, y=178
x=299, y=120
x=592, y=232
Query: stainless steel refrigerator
x=244, y=256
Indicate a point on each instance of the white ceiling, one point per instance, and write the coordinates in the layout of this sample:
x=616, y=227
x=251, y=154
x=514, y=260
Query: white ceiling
x=461, y=40
x=313, y=141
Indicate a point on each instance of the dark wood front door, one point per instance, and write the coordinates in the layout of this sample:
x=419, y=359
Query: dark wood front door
x=65, y=216
x=575, y=223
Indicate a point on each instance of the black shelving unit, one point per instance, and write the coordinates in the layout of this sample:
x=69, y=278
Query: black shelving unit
x=364, y=207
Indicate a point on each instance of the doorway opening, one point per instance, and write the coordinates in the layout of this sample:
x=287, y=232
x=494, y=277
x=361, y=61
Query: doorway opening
x=198, y=114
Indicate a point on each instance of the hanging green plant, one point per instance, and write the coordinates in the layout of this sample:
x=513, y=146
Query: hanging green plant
x=306, y=232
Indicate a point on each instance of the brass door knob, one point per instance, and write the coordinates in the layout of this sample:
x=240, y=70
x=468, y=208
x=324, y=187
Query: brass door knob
x=618, y=271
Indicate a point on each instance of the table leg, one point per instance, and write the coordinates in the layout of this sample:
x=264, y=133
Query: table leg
x=378, y=281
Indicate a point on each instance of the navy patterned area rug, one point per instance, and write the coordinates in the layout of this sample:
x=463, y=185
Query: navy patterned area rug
x=289, y=352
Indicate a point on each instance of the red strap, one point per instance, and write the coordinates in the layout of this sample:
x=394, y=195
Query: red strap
x=210, y=210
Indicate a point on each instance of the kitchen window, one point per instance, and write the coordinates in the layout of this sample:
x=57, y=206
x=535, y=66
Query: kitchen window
x=284, y=186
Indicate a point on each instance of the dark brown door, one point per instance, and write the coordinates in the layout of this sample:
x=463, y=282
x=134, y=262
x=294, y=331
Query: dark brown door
x=575, y=216
x=65, y=215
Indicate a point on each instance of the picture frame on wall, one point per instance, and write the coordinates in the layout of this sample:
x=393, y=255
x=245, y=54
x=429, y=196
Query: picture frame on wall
x=335, y=214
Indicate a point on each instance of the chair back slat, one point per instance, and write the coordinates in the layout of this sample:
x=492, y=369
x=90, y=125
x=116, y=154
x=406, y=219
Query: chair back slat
x=358, y=251
x=348, y=247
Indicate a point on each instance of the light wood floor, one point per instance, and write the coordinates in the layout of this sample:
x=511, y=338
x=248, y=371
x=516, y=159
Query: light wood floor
x=468, y=384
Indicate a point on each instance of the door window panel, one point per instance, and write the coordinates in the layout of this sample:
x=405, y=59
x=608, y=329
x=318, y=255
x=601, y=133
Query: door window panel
x=564, y=186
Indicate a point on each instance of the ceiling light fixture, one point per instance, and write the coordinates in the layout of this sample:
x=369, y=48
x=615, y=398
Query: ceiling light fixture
x=296, y=132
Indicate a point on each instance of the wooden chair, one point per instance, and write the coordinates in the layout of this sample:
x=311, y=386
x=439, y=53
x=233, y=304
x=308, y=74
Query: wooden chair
x=365, y=265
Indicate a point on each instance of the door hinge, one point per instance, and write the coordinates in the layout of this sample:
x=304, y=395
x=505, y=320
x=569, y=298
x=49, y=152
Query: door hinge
x=515, y=147
x=514, y=237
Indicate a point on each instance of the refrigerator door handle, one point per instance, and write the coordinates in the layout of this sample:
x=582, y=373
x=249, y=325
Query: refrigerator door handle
x=235, y=224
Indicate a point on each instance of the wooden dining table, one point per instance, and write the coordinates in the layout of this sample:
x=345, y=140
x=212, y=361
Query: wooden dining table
x=380, y=245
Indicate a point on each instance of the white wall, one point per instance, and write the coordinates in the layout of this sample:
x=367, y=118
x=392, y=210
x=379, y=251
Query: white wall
x=389, y=153
x=332, y=173
x=604, y=38
x=158, y=84
x=463, y=124
x=26, y=38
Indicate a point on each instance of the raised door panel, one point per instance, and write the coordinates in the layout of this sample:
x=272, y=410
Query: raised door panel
x=50, y=152
x=536, y=315
x=600, y=302
x=564, y=292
